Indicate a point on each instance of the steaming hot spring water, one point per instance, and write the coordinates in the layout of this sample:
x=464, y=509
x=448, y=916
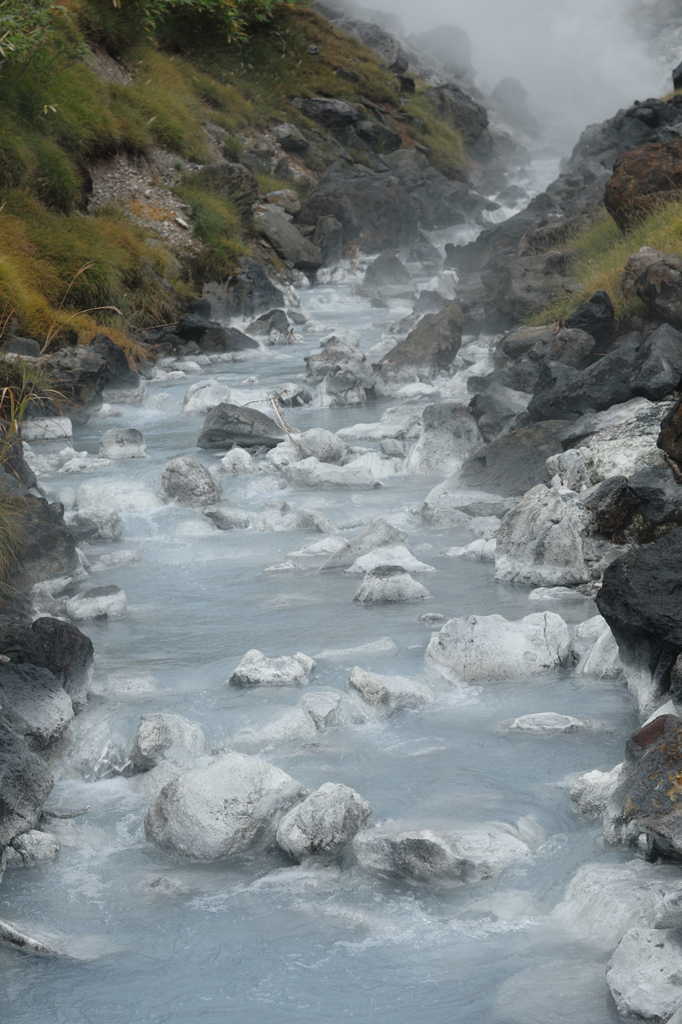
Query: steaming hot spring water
x=152, y=938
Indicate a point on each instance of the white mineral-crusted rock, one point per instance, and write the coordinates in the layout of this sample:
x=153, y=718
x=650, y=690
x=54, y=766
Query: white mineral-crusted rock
x=46, y=428
x=323, y=706
x=396, y=422
x=381, y=533
x=117, y=444
x=119, y=495
x=158, y=733
x=231, y=807
x=186, y=481
x=283, y=455
x=478, y=551
x=444, y=449
x=644, y=974
x=555, y=594
x=319, y=548
x=365, y=471
x=388, y=693
x=460, y=856
x=592, y=791
x=226, y=518
x=205, y=395
x=98, y=522
x=313, y=519
x=549, y=722
x=478, y=648
x=98, y=603
x=237, y=462
x=294, y=725
x=32, y=847
x=602, y=661
x=390, y=584
x=255, y=669
x=391, y=554
x=117, y=560
x=603, y=901
x=323, y=823
x=540, y=541
x=321, y=444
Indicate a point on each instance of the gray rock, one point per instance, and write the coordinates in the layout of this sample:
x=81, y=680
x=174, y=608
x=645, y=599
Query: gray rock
x=644, y=976
x=323, y=707
x=34, y=703
x=158, y=733
x=514, y=462
x=496, y=408
x=324, y=823
x=32, y=847
x=25, y=784
x=330, y=113
x=592, y=791
x=289, y=138
x=312, y=519
x=97, y=522
x=255, y=669
x=549, y=723
x=186, y=481
x=287, y=240
x=230, y=808
x=389, y=584
x=380, y=534
x=226, y=518
x=52, y=644
x=234, y=426
x=460, y=856
x=122, y=444
x=450, y=435
x=321, y=444
x=434, y=342
x=387, y=278
x=388, y=693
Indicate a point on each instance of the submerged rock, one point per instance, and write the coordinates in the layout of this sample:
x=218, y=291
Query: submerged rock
x=231, y=807
x=122, y=444
x=479, y=648
x=324, y=823
x=255, y=669
x=461, y=856
x=388, y=693
x=549, y=722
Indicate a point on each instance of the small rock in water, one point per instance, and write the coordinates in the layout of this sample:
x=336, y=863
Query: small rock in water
x=281, y=567
x=322, y=445
x=294, y=725
x=122, y=444
x=390, y=584
x=32, y=847
x=255, y=669
x=226, y=518
x=460, y=856
x=98, y=603
x=431, y=617
x=117, y=560
x=380, y=534
x=237, y=462
x=326, y=546
x=592, y=791
x=323, y=823
x=231, y=807
x=556, y=594
x=97, y=523
x=186, y=481
x=549, y=722
x=158, y=732
x=388, y=693
x=397, y=554
x=312, y=519
x=479, y=551
x=322, y=706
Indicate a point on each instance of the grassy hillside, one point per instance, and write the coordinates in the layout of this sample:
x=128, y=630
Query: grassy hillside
x=59, y=117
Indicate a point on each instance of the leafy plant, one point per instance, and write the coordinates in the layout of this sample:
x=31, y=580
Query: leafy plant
x=27, y=26
x=233, y=17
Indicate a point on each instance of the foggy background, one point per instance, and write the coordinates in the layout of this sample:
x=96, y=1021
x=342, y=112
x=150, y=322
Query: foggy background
x=580, y=60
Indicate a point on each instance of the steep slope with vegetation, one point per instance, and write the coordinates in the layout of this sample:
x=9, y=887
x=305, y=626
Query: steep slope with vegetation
x=91, y=81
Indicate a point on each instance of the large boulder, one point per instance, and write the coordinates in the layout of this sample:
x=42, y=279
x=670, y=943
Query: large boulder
x=342, y=371
x=434, y=342
x=186, y=481
x=387, y=278
x=488, y=648
x=643, y=975
x=249, y=293
x=34, y=703
x=596, y=318
x=461, y=111
x=374, y=210
x=450, y=435
x=55, y=645
x=518, y=286
x=230, y=808
x=650, y=369
x=460, y=856
x=382, y=43
x=25, y=784
x=324, y=823
x=330, y=113
x=641, y=601
x=274, y=225
x=50, y=547
x=514, y=462
x=108, y=602
x=496, y=408
x=642, y=179
x=234, y=426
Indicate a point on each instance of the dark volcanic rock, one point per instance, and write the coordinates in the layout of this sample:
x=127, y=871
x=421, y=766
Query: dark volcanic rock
x=612, y=504
x=643, y=178
x=68, y=654
x=250, y=293
x=461, y=111
x=25, y=784
x=433, y=343
x=51, y=548
x=387, y=278
x=515, y=462
x=649, y=369
x=596, y=318
x=670, y=438
x=518, y=286
x=641, y=599
x=34, y=703
x=659, y=495
x=373, y=209
x=570, y=346
x=495, y=409
x=330, y=113
x=231, y=426
x=656, y=278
